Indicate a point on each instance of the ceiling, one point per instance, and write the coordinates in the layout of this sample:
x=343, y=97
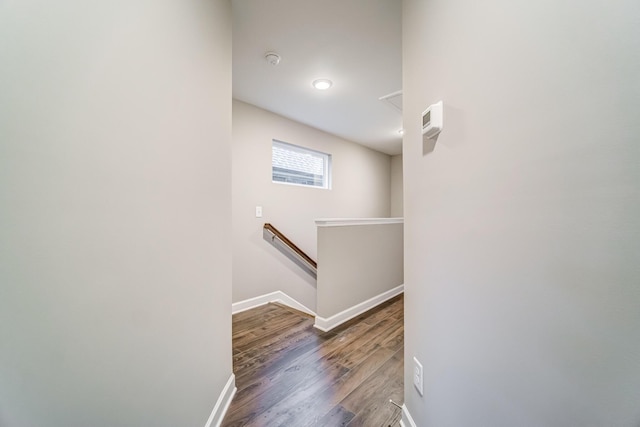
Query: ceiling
x=357, y=44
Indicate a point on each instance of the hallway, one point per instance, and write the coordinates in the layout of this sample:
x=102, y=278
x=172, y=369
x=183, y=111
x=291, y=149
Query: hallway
x=290, y=374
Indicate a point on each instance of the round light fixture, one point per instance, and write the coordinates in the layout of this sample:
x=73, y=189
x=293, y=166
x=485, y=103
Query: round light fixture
x=401, y=131
x=322, y=84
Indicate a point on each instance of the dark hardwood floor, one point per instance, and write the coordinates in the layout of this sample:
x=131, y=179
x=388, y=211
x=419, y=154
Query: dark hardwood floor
x=290, y=374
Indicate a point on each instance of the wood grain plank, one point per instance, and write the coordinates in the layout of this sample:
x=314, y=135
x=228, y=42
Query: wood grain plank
x=244, y=316
x=324, y=401
x=387, y=331
x=370, y=401
x=290, y=374
x=338, y=417
x=271, y=329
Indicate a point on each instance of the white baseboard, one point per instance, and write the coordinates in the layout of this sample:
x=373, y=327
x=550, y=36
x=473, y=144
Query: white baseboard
x=277, y=296
x=222, y=405
x=326, y=324
x=407, y=421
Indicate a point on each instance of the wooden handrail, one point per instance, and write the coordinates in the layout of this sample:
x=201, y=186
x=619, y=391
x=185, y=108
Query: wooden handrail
x=290, y=244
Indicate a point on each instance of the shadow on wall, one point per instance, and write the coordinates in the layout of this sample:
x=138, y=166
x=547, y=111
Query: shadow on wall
x=428, y=145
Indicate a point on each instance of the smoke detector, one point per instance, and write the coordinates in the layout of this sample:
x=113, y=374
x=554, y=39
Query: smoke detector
x=272, y=58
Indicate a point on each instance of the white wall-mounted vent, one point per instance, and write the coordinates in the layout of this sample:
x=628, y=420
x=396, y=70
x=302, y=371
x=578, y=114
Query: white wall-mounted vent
x=394, y=100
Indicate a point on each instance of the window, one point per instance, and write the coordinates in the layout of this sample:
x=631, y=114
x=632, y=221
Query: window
x=291, y=164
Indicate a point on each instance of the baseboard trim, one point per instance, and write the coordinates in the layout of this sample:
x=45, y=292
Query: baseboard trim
x=222, y=405
x=326, y=324
x=277, y=296
x=407, y=420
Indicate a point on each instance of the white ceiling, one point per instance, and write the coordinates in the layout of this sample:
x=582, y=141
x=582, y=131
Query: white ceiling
x=355, y=43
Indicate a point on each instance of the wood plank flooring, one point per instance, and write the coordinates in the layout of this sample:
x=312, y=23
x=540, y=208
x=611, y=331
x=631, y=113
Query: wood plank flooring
x=290, y=374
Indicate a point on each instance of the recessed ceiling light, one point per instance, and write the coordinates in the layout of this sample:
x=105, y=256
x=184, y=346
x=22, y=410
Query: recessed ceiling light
x=322, y=84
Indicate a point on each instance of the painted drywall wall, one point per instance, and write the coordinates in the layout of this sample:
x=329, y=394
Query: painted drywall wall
x=522, y=222
x=357, y=263
x=396, y=187
x=360, y=188
x=115, y=188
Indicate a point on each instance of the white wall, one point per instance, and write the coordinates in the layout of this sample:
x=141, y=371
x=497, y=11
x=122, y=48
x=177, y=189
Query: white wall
x=522, y=223
x=357, y=262
x=360, y=188
x=115, y=195
x=397, y=187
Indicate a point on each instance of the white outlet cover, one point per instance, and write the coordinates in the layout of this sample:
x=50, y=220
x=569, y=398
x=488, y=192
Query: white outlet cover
x=418, y=376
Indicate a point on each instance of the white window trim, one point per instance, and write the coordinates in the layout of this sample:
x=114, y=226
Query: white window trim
x=305, y=150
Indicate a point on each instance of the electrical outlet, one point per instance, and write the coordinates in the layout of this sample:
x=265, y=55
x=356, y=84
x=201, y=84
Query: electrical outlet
x=258, y=211
x=418, y=380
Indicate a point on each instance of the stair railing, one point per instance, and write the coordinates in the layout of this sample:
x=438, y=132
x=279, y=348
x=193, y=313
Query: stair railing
x=287, y=247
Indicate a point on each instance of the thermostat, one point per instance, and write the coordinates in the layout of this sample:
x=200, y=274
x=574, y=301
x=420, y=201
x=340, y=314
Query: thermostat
x=432, y=120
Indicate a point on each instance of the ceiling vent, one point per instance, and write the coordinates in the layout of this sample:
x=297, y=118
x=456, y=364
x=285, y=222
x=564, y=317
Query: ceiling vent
x=394, y=100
